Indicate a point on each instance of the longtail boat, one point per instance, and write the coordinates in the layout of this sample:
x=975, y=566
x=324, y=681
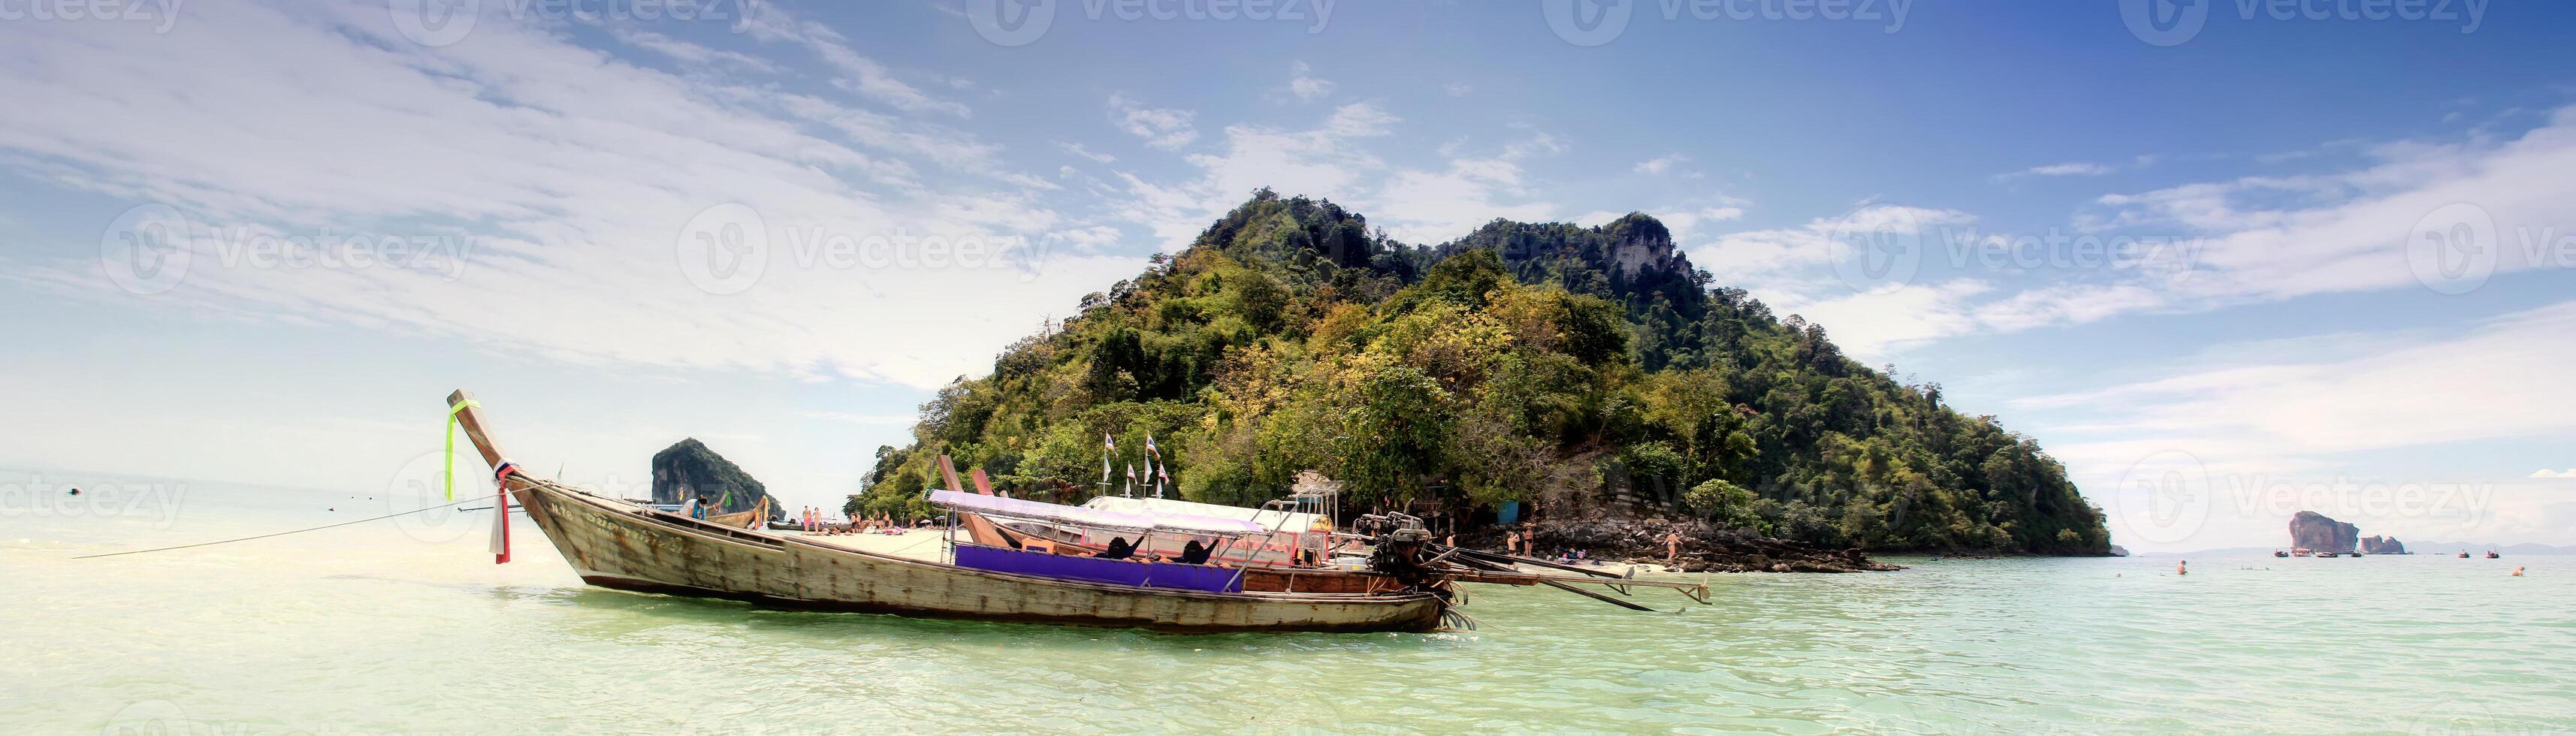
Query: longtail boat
x=758, y=514
x=615, y=544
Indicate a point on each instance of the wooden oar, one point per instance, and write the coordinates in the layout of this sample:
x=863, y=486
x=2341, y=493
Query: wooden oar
x=1498, y=567
x=1508, y=559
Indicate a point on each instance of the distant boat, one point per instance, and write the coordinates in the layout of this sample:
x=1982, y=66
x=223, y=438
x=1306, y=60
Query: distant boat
x=2280, y=553
x=2464, y=554
x=2492, y=555
x=2322, y=553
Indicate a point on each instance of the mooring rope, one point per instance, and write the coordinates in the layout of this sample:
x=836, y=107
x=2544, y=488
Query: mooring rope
x=473, y=499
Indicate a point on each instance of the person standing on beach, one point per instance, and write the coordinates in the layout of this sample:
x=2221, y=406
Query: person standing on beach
x=1512, y=542
x=1672, y=547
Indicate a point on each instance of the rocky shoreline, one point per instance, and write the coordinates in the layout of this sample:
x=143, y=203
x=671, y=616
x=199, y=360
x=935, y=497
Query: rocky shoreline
x=1705, y=547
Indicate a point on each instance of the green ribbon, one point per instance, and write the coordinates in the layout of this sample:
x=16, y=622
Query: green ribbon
x=450, y=476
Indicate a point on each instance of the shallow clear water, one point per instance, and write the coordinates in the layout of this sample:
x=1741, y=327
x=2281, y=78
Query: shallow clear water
x=386, y=628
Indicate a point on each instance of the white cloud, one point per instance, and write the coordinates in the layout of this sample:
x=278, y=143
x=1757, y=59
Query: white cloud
x=1325, y=162
x=861, y=74
x=1077, y=149
x=1660, y=164
x=1305, y=86
x=1160, y=127
x=2076, y=168
x=2408, y=390
x=1458, y=89
x=2283, y=430
x=2219, y=244
x=572, y=175
x=2547, y=473
x=1757, y=256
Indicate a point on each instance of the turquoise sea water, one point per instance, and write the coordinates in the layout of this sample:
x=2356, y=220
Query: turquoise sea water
x=381, y=627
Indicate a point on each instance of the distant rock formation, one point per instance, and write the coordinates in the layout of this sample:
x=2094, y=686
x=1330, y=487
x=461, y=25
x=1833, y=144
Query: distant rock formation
x=2379, y=545
x=2312, y=530
x=690, y=469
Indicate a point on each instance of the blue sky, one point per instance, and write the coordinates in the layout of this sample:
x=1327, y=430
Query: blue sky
x=2187, y=258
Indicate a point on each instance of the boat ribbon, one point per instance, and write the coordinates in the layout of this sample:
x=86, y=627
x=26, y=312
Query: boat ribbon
x=501, y=512
x=449, y=477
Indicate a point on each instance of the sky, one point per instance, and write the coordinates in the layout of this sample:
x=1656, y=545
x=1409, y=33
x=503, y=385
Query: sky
x=2225, y=260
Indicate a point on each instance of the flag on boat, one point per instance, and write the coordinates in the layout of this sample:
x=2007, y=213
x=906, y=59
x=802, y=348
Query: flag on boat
x=1149, y=446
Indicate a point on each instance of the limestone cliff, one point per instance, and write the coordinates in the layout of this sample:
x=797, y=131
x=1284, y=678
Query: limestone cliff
x=690, y=469
x=2312, y=530
x=2379, y=545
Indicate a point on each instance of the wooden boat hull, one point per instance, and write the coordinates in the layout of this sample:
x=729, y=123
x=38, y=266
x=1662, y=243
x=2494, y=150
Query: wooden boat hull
x=615, y=545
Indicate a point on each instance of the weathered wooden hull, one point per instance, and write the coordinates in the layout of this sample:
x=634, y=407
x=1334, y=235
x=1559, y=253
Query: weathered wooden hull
x=616, y=545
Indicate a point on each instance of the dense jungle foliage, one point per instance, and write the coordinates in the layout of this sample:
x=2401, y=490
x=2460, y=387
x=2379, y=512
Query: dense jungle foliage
x=1577, y=370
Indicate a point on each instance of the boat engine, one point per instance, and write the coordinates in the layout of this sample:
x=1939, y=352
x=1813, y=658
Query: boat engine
x=1402, y=549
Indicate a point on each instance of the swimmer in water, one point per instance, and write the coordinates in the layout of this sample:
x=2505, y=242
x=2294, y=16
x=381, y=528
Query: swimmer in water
x=2517, y=571
x=2180, y=569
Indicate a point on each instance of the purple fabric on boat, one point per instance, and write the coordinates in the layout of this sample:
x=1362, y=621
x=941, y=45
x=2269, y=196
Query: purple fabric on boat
x=1115, y=572
x=1081, y=516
